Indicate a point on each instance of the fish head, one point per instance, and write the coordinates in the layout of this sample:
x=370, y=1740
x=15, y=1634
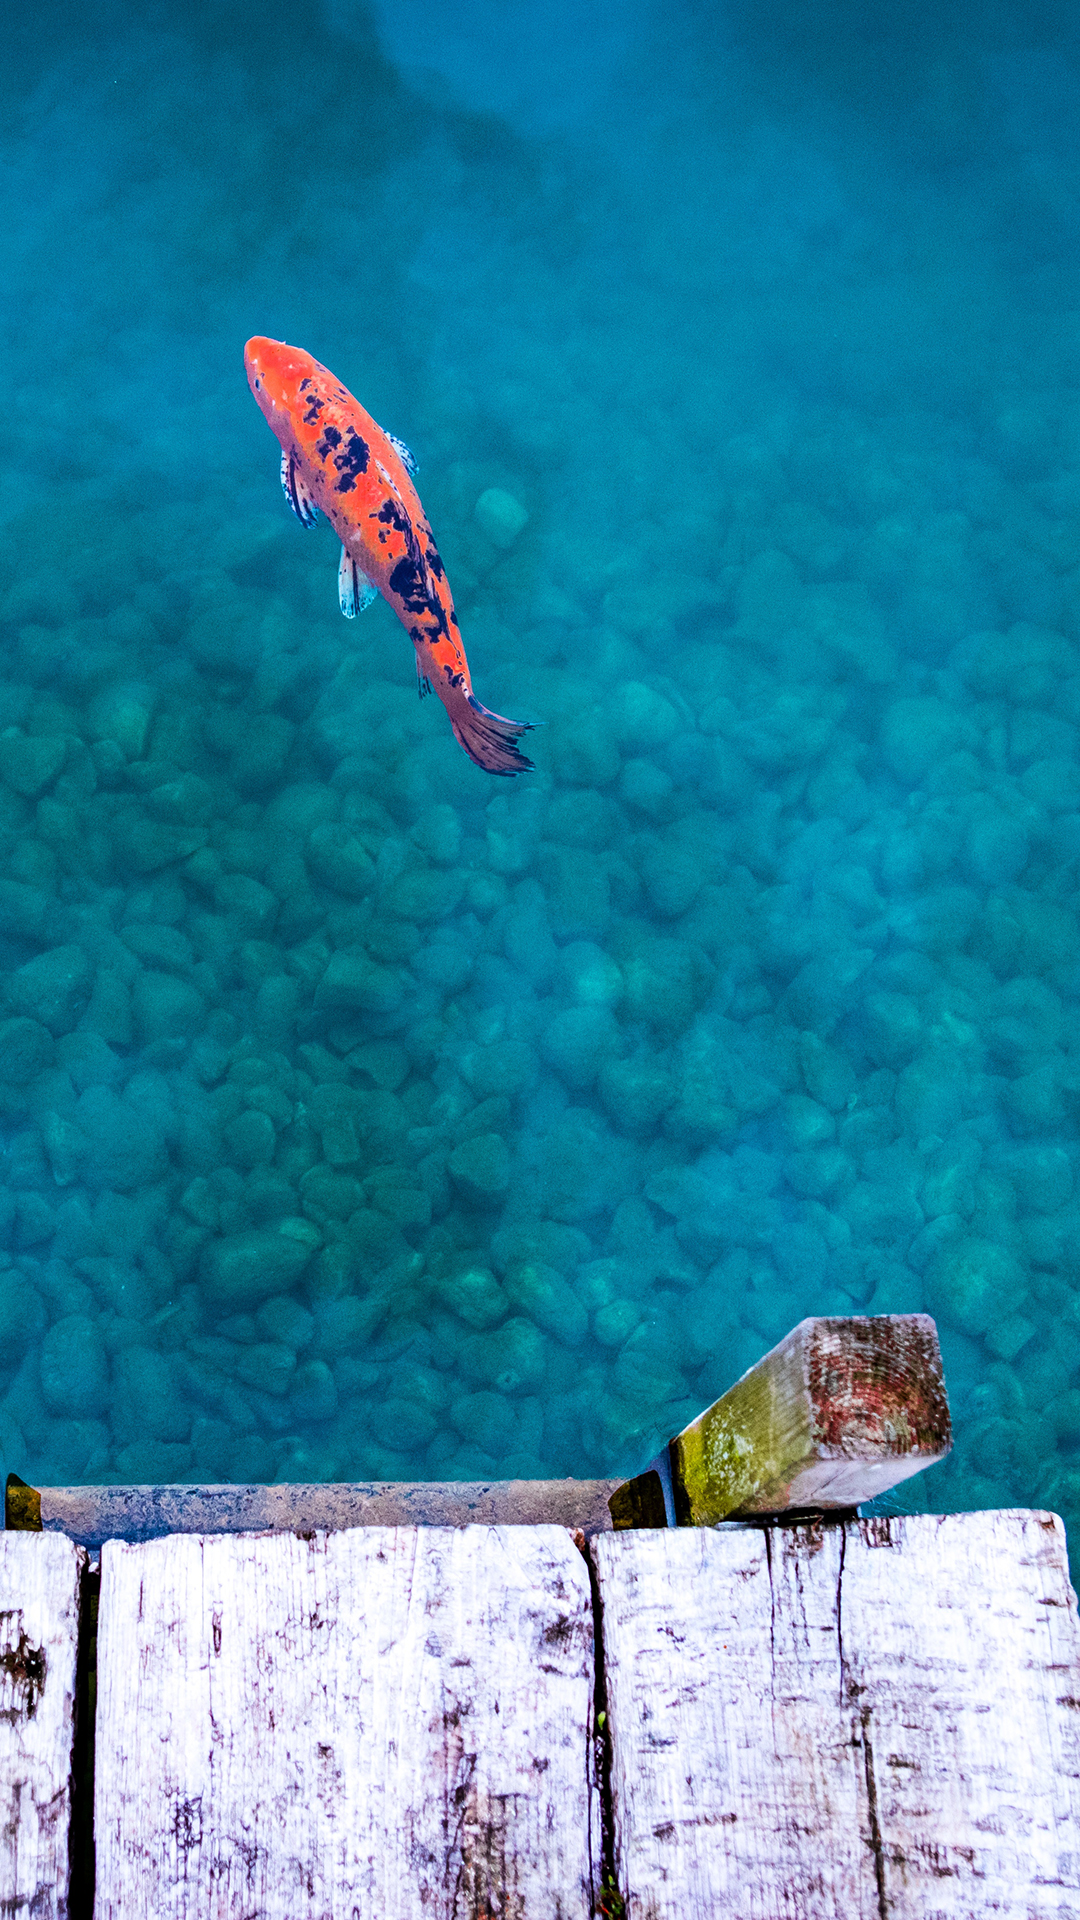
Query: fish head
x=274, y=372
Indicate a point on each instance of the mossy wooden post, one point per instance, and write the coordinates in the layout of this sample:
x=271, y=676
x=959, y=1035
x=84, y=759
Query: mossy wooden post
x=841, y=1410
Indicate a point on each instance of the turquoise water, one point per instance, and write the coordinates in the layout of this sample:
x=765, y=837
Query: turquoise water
x=363, y=1115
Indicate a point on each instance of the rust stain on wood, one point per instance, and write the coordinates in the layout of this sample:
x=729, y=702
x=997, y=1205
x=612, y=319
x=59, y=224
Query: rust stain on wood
x=878, y=1383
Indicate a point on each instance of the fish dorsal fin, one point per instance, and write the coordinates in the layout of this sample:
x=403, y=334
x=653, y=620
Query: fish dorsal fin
x=296, y=492
x=408, y=459
x=355, y=590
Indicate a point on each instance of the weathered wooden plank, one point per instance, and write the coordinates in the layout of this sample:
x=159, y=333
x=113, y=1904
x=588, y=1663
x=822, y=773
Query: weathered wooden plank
x=39, y=1619
x=964, y=1683
x=93, y=1515
x=840, y=1410
x=878, y=1719
x=732, y=1791
x=383, y=1723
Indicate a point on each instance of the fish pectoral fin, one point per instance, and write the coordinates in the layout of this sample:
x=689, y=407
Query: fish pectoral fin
x=297, y=492
x=355, y=590
x=407, y=458
x=423, y=684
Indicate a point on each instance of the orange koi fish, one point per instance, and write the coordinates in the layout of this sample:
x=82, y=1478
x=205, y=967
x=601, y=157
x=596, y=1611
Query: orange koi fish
x=336, y=461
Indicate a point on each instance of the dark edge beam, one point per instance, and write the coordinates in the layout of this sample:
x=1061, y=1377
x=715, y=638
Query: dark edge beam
x=91, y=1515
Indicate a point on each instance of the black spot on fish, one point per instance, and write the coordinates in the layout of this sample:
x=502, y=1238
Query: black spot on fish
x=407, y=582
x=393, y=514
x=327, y=441
x=305, y=382
x=435, y=565
x=353, y=459
x=314, y=408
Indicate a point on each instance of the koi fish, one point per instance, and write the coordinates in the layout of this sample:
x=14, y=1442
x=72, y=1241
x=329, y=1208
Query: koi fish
x=336, y=461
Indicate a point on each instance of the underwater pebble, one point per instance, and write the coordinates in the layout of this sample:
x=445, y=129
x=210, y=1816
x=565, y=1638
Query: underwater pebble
x=642, y=719
x=506, y=1067
x=268, y=1365
x=24, y=910
x=544, y=1296
x=250, y=1139
x=1041, y=1175
x=31, y=762
x=285, y=1320
x=613, y=1324
x=123, y=714
x=917, y=732
x=636, y=1092
x=974, y=1284
x=576, y=1041
x=511, y=1358
x=25, y=1047
x=54, y=988
x=74, y=1369
x=165, y=1008
x=122, y=1147
x=480, y=1168
x=475, y=1297
x=147, y=846
x=260, y=758
x=665, y=981
x=22, y=1312
x=438, y=833
x=407, y=1424
x=1009, y=1336
x=591, y=975
x=146, y=1403
x=500, y=516
x=353, y=981
x=487, y=1420
x=244, y=1269
x=339, y=858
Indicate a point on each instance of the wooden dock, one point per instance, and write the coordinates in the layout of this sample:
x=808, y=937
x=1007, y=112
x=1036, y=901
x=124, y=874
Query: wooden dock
x=669, y=1699
x=865, y=1718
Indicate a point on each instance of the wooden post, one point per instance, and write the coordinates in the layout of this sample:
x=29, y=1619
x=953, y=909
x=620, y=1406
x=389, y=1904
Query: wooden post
x=838, y=1412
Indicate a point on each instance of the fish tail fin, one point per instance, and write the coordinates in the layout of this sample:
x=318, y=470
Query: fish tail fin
x=486, y=737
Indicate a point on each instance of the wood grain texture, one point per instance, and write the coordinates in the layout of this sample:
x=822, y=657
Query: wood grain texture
x=878, y=1721
x=382, y=1722
x=39, y=1618
x=733, y=1790
x=965, y=1676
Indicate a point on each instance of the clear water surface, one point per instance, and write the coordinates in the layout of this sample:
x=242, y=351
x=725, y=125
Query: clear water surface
x=362, y=1115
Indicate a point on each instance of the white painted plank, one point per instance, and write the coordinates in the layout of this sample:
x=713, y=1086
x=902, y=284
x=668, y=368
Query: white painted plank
x=873, y=1720
x=39, y=1618
x=376, y=1723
